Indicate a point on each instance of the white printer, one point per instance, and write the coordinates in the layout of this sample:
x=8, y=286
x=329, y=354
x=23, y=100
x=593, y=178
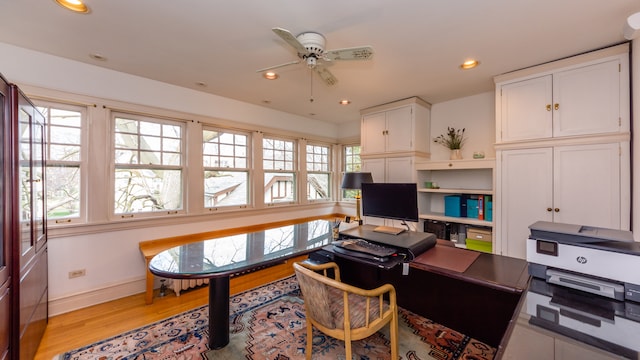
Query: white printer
x=596, y=260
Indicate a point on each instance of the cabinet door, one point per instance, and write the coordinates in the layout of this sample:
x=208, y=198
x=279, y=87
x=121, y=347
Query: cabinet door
x=373, y=133
x=526, y=110
x=587, y=185
x=391, y=170
x=587, y=100
x=400, y=130
x=5, y=180
x=376, y=167
x=525, y=194
x=400, y=170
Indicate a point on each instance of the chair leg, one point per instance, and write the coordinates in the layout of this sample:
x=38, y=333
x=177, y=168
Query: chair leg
x=393, y=329
x=347, y=348
x=309, y=350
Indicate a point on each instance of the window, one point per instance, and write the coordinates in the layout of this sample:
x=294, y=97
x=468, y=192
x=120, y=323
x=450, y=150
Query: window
x=149, y=162
x=318, y=172
x=63, y=141
x=278, y=161
x=226, y=168
x=352, y=163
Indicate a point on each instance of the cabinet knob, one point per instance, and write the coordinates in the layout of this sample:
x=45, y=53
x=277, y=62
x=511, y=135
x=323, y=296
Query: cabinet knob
x=548, y=107
x=556, y=106
x=450, y=164
x=556, y=210
x=549, y=209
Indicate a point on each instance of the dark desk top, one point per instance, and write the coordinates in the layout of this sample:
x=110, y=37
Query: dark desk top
x=571, y=324
x=495, y=271
x=233, y=254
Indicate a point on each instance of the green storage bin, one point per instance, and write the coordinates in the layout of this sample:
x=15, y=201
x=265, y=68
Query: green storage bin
x=479, y=245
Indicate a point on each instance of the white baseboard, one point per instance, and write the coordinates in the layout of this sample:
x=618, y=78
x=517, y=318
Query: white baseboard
x=96, y=296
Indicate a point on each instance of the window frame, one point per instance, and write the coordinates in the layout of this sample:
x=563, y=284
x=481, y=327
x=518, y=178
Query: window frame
x=248, y=169
x=81, y=164
x=114, y=166
x=295, y=171
x=328, y=171
x=344, y=193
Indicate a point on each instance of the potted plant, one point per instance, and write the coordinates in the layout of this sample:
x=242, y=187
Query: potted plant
x=453, y=139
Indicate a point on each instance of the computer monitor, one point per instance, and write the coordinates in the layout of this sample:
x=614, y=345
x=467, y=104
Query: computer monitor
x=398, y=201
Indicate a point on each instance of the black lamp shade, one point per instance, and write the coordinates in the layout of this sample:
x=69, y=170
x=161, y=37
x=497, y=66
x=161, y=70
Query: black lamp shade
x=354, y=180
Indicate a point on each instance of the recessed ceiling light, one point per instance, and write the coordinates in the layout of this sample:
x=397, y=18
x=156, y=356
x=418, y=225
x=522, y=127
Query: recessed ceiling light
x=266, y=102
x=201, y=84
x=270, y=75
x=345, y=102
x=74, y=5
x=469, y=64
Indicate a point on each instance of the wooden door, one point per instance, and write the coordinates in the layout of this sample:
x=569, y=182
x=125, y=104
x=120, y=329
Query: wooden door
x=587, y=185
x=525, y=196
x=400, y=129
x=5, y=234
x=373, y=136
x=586, y=100
x=526, y=111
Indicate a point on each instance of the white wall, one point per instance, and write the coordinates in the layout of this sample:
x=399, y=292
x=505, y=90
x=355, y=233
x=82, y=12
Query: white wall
x=27, y=67
x=474, y=113
x=113, y=263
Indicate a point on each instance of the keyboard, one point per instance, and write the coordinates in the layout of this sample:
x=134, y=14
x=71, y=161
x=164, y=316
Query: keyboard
x=378, y=252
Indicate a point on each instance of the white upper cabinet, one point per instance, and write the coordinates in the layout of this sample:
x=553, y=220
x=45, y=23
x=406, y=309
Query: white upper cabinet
x=583, y=96
x=401, y=127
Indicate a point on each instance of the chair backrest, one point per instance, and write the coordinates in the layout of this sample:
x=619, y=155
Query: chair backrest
x=317, y=297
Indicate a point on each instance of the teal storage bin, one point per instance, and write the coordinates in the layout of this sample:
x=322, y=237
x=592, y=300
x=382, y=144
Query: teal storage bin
x=452, y=205
x=488, y=208
x=472, y=208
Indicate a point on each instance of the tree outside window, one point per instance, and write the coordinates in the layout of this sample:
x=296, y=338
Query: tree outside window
x=63, y=141
x=148, y=156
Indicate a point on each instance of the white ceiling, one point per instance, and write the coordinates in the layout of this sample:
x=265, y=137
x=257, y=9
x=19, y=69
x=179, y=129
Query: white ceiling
x=418, y=44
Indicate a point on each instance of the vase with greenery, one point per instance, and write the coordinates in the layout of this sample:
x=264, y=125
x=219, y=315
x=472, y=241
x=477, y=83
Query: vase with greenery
x=453, y=139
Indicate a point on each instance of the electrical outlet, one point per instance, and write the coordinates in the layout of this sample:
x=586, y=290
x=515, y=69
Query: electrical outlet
x=77, y=273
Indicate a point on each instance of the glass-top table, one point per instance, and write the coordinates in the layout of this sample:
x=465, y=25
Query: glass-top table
x=220, y=258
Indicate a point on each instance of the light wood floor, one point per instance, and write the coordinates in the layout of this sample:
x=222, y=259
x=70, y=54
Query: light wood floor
x=85, y=326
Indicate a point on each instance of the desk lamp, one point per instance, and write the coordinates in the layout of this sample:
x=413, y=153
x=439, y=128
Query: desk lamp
x=353, y=181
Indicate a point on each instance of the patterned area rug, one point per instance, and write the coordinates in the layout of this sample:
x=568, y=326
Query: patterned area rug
x=268, y=323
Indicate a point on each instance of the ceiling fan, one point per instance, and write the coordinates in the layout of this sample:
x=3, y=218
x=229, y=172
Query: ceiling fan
x=310, y=49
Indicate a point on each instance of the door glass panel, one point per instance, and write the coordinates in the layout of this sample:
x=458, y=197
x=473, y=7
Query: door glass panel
x=38, y=177
x=24, y=119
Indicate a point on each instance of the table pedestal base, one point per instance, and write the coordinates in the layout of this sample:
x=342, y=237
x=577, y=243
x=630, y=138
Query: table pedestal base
x=218, y=312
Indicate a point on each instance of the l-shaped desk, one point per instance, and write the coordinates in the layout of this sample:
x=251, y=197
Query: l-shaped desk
x=471, y=292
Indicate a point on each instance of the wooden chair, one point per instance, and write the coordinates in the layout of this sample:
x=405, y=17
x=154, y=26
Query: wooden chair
x=343, y=311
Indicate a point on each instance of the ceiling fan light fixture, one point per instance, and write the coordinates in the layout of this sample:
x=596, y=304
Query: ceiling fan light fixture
x=74, y=5
x=270, y=75
x=469, y=64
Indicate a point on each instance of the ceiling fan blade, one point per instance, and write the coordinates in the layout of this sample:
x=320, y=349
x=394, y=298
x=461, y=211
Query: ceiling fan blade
x=354, y=53
x=326, y=75
x=288, y=37
x=279, y=66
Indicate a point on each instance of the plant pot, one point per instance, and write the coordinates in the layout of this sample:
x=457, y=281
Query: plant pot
x=456, y=154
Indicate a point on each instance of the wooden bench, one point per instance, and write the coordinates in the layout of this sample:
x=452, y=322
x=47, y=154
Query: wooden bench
x=151, y=248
